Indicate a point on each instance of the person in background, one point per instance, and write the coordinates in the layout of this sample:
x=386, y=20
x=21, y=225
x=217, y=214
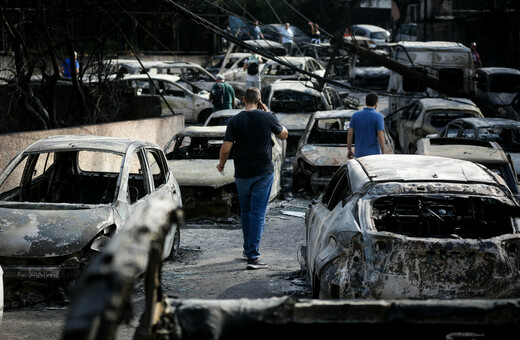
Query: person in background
x=249, y=134
x=252, y=66
x=476, y=57
x=367, y=127
x=65, y=69
x=222, y=95
x=287, y=38
x=255, y=32
x=315, y=33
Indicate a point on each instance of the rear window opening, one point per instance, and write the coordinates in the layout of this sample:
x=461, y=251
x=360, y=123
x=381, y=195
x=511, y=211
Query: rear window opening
x=440, y=119
x=443, y=217
x=288, y=101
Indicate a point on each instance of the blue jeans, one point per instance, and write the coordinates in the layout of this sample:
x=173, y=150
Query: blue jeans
x=253, y=197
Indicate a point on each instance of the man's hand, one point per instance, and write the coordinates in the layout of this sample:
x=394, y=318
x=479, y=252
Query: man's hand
x=350, y=155
x=262, y=106
x=220, y=168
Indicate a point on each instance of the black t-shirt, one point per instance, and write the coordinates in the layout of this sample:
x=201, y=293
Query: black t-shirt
x=250, y=131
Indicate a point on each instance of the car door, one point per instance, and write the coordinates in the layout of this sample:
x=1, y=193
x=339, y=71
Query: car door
x=405, y=125
x=180, y=100
x=136, y=181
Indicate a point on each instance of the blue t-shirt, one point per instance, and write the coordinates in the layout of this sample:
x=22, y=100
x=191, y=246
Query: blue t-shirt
x=366, y=123
x=250, y=131
x=66, y=68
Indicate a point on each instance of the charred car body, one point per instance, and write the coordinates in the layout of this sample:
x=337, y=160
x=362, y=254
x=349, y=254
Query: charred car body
x=293, y=102
x=63, y=197
x=496, y=88
x=411, y=226
x=505, y=132
x=487, y=153
x=193, y=155
x=428, y=116
x=323, y=149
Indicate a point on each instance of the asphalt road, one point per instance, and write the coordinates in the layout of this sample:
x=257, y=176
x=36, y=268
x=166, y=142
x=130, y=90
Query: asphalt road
x=209, y=266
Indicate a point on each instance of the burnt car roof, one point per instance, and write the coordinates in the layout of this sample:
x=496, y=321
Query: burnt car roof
x=411, y=168
x=90, y=142
x=453, y=103
x=473, y=150
x=498, y=70
x=293, y=85
x=334, y=114
x=487, y=121
x=225, y=113
x=205, y=131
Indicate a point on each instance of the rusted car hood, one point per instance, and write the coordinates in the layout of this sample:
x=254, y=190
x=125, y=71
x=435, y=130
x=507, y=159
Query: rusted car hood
x=324, y=155
x=49, y=230
x=202, y=172
x=294, y=121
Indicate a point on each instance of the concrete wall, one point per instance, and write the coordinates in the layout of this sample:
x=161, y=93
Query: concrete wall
x=156, y=130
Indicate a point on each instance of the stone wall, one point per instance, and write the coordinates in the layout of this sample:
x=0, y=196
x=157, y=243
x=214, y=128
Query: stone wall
x=155, y=130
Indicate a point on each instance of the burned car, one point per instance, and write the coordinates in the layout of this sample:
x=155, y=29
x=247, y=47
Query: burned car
x=412, y=226
x=221, y=117
x=193, y=155
x=487, y=153
x=428, y=116
x=273, y=70
x=505, y=132
x=496, y=88
x=293, y=102
x=64, y=197
x=323, y=149
x=180, y=96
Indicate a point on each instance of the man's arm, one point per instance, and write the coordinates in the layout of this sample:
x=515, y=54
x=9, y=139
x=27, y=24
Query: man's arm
x=381, y=139
x=284, y=134
x=350, y=136
x=225, y=149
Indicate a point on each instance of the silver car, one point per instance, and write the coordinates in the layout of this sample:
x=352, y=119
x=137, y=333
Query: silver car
x=412, y=226
x=64, y=197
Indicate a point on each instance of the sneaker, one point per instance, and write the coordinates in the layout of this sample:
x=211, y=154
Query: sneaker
x=256, y=264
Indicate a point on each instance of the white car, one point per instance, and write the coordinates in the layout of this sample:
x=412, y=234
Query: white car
x=233, y=69
x=273, y=71
x=180, y=96
x=376, y=34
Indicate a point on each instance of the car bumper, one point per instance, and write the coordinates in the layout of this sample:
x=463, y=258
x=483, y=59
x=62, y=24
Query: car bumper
x=40, y=272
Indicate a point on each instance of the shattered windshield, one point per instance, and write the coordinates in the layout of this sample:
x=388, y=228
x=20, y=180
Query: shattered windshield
x=329, y=131
x=196, y=147
x=507, y=137
x=504, y=83
x=288, y=101
x=85, y=177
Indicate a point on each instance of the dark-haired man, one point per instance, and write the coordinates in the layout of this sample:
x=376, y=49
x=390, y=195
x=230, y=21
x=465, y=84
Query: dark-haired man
x=250, y=133
x=367, y=128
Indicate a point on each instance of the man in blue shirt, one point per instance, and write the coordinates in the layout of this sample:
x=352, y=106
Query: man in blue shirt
x=255, y=32
x=367, y=128
x=65, y=69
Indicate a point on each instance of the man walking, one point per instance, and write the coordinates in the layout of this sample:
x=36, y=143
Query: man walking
x=222, y=95
x=249, y=132
x=287, y=38
x=66, y=68
x=367, y=127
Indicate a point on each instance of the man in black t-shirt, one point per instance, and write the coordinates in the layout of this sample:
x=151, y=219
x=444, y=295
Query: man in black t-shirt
x=250, y=134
